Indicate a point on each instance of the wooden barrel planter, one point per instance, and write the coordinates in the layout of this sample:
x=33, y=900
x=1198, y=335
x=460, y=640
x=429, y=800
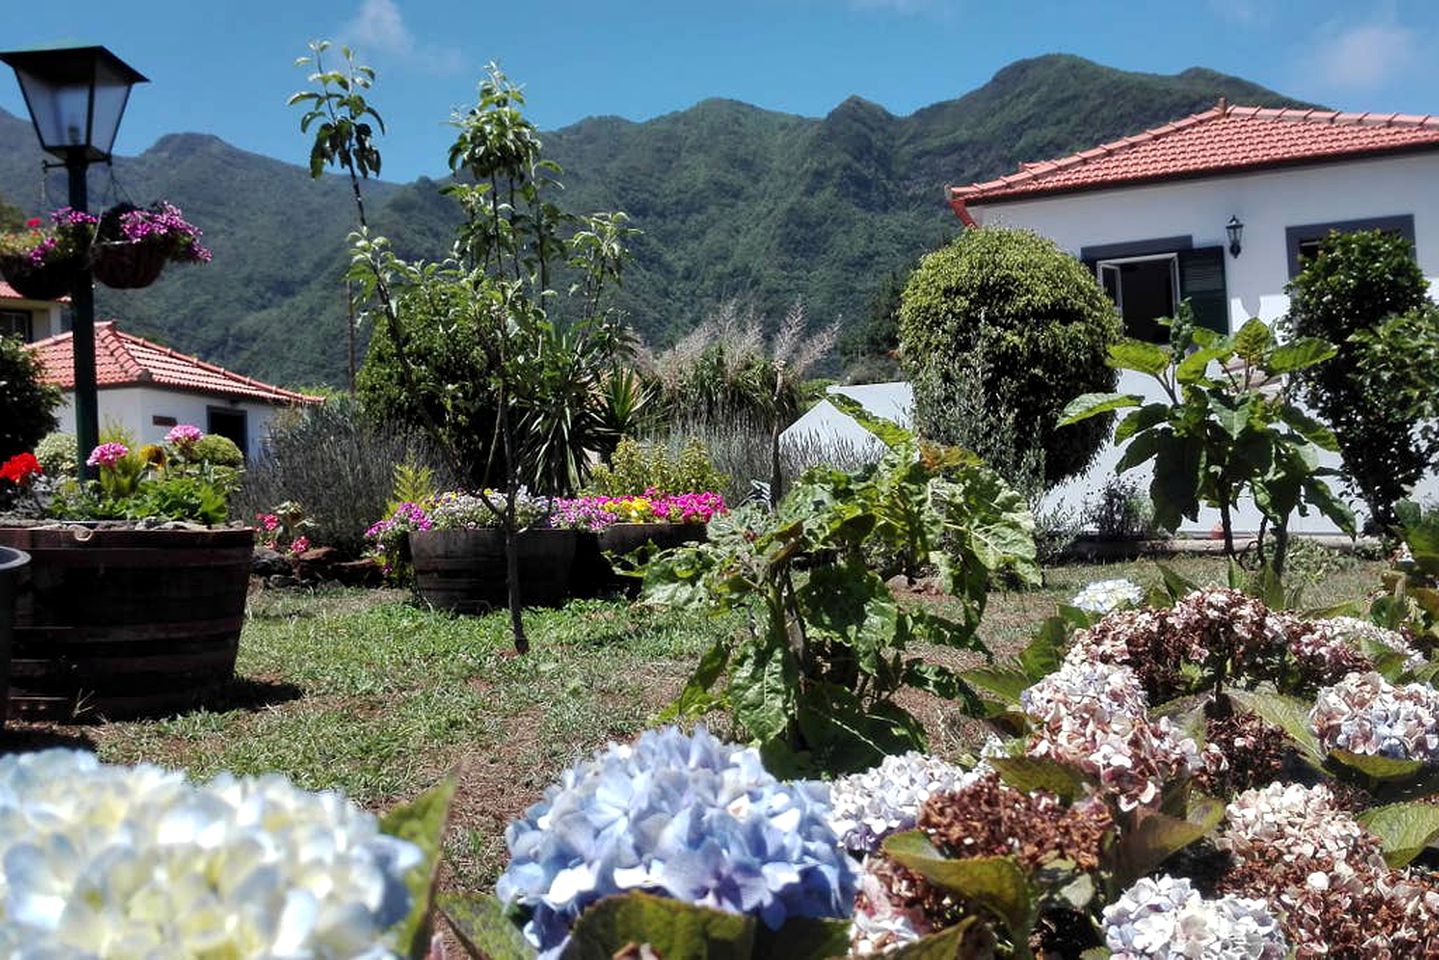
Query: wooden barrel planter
x=122, y=623
x=626, y=538
x=464, y=570
x=12, y=566
x=596, y=574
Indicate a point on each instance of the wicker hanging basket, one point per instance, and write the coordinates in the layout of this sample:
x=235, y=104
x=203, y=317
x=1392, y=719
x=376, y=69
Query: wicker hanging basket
x=50, y=280
x=127, y=265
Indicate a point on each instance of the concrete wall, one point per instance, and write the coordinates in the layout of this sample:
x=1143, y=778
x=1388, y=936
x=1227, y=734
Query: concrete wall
x=1267, y=203
x=46, y=316
x=135, y=408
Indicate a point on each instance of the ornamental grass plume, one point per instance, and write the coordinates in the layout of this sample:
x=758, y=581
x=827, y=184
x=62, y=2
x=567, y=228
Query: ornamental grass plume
x=107, y=861
x=679, y=815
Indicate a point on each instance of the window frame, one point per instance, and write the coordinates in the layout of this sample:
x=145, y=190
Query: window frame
x=1402, y=224
x=1115, y=263
x=27, y=335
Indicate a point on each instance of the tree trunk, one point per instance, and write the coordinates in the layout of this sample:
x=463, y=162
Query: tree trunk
x=512, y=583
x=1228, y=525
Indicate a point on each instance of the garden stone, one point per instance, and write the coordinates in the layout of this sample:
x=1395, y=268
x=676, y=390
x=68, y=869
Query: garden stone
x=267, y=562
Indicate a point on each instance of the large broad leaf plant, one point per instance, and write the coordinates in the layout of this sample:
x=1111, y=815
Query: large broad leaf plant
x=814, y=679
x=1226, y=427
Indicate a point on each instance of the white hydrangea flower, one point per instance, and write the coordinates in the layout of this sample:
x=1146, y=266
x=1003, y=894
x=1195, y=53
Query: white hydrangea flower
x=105, y=861
x=1095, y=716
x=1167, y=918
x=1106, y=596
x=879, y=923
x=1366, y=714
x=867, y=807
x=1289, y=822
x=1356, y=632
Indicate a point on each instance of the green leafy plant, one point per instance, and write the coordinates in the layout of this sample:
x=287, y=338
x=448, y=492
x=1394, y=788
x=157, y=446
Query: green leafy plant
x=635, y=467
x=56, y=453
x=1345, y=295
x=1007, y=315
x=27, y=403
x=1220, y=435
x=814, y=681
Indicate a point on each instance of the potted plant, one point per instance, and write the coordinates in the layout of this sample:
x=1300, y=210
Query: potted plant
x=459, y=559
x=133, y=244
x=40, y=262
x=136, y=592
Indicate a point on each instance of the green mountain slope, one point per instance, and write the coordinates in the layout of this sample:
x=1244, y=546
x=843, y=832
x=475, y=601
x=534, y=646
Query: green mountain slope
x=733, y=201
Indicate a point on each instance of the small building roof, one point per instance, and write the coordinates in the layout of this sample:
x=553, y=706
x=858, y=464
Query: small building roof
x=1224, y=140
x=123, y=360
x=8, y=292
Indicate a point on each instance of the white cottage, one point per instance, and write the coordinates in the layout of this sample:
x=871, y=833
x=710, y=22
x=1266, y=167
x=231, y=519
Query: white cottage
x=147, y=389
x=30, y=320
x=1220, y=208
x=824, y=429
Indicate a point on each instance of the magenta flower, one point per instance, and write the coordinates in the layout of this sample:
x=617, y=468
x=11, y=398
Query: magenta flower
x=107, y=455
x=184, y=435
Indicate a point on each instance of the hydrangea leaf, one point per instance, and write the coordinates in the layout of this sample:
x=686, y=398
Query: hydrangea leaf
x=1006, y=682
x=483, y=927
x=997, y=884
x=803, y=938
x=422, y=822
x=1042, y=773
x=969, y=939
x=1045, y=652
x=1378, y=768
x=1152, y=837
x=1286, y=713
x=1405, y=829
x=674, y=930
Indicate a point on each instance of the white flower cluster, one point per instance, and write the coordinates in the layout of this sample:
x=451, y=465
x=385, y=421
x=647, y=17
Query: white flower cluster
x=1356, y=633
x=113, y=861
x=867, y=807
x=880, y=921
x=1366, y=714
x=1167, y=918
x=1106, y=596
x=1286, y=822
x=1094, y=715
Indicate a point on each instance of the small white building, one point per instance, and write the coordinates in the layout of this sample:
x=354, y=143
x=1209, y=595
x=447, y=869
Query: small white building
x=30, y=320
x=147, y=389
x=824, y=432
x=1221, y=208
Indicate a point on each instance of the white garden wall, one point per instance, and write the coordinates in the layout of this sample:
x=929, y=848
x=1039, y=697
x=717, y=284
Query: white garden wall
x=136, y=408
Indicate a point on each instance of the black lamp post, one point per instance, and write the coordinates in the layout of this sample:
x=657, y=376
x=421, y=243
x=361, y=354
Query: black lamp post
x=76, y=97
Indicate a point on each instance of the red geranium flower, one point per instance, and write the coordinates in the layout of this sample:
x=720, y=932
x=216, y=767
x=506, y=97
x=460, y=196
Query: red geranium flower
x=33, y=222
x=20, y=468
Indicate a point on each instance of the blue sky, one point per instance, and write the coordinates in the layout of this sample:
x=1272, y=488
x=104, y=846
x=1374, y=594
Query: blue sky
x=225, y=67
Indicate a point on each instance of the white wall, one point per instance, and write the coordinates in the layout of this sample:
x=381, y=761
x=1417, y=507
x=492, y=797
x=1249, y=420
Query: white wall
x=135, y=408
x=1266, y=203
x=45, y=316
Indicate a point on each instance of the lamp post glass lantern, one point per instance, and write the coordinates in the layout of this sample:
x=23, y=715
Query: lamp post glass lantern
x=76, y=97
x=1235, y=229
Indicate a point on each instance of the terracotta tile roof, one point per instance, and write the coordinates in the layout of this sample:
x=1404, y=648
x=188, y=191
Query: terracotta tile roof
x=122, y=359
x=1226, y=139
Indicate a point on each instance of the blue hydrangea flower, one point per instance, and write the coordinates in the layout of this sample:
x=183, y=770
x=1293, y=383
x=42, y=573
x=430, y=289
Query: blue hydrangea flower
x=682, y=816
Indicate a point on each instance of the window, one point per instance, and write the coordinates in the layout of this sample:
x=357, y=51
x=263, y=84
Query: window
x=231, y=423
x=1147, y=280
x=1303, y=241
x=17, y=323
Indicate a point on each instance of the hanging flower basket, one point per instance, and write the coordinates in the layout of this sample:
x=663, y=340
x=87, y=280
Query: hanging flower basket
x=133, y=244
x=48, y=280
x=127, y=265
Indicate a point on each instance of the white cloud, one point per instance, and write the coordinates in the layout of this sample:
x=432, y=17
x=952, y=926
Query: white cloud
x=1362, y=57
x=379, y=26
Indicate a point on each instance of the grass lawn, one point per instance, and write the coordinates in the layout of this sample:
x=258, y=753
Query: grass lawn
x=362, y=691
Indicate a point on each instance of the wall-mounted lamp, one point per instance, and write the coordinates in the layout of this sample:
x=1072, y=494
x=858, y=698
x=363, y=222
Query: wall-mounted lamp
x=1235, y=229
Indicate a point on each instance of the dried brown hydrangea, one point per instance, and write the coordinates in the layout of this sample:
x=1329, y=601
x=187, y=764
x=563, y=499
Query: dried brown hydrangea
x=1257, y=753
x=990, y=819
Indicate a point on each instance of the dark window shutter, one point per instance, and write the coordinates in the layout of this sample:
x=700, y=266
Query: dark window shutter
x=1201, y=282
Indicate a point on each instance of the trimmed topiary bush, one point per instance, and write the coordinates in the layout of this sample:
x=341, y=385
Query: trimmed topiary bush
x=218, y=451
x=1006, y=315
x=1355, y=283
x=27, y=404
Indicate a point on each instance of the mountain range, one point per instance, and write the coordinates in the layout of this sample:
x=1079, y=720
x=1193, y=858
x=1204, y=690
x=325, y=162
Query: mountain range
x=733, y=201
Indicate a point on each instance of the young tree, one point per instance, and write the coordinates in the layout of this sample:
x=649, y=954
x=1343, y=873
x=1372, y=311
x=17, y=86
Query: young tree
x=519, y=374
x=1345, y=294
x=27, y=404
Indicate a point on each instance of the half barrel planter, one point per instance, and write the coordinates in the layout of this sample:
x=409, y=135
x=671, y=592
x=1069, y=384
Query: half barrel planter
x=626, y=538
x=12, y=567
x=597, y=574
x=464, y=570
x=119, y=623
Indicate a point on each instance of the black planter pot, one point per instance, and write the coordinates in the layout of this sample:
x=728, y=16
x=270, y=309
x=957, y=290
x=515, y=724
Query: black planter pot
x=12, y=566
x=127, y=266
x=47, y=281
x=464, y=570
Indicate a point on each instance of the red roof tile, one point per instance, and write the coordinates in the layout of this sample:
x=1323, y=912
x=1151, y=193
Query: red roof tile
x=122, y=359
x=1223, y=140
